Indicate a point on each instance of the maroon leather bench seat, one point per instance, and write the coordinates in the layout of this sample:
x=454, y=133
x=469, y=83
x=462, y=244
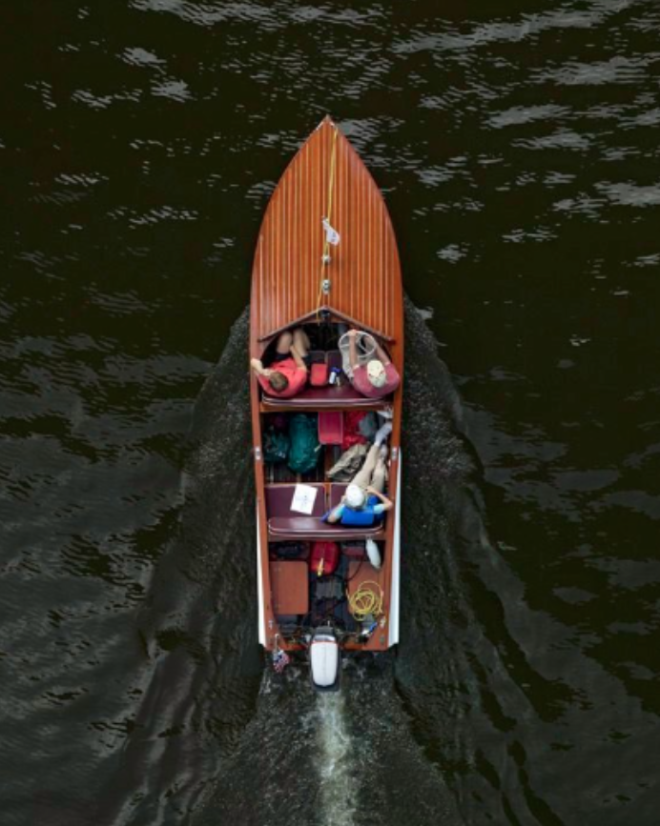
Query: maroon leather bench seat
x=279, y=498
x=309, y=527
x=337, y=490
x=283, y=523
x=322, y=397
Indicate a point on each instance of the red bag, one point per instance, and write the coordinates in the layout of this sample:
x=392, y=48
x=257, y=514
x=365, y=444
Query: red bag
x=324, y=558
x=331, y=427
x=318, y=375
x=352, y=435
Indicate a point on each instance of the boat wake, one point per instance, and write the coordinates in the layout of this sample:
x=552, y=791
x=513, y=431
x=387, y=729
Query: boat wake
x=338, y=779
x=217, y=739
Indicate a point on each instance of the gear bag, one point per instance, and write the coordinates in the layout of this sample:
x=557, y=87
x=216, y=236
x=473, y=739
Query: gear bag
x=304, y=443
x=276, y=446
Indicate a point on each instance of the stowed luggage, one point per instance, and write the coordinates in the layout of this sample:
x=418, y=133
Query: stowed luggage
x=289, y=550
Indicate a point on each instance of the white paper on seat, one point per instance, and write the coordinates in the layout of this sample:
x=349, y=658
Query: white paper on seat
x=303, y=500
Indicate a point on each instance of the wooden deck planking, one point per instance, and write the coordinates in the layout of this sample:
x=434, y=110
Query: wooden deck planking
x=364, y=270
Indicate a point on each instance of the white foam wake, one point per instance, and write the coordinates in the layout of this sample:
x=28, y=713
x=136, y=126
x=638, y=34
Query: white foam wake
x=337, y=769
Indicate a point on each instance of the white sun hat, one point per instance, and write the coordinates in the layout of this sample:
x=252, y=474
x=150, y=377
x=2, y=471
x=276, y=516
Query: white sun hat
x=376, y=373
x=355, y=496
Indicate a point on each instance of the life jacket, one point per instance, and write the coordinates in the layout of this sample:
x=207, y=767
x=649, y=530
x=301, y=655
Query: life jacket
x=362, y=518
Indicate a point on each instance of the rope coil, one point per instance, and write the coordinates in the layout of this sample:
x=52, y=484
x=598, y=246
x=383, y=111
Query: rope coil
x=366, y=601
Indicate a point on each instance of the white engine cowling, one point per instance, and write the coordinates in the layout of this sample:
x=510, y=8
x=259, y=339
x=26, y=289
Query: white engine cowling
x=324, y=660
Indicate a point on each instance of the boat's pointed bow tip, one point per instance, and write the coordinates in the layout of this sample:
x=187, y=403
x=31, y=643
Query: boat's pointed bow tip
x=327, y=121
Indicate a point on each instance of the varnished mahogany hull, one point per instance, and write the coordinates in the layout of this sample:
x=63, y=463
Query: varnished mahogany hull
x=365, y=287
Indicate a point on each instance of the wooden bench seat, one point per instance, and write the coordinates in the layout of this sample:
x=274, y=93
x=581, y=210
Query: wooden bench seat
x=322, y=398
x=285, y=524
x=311, y=527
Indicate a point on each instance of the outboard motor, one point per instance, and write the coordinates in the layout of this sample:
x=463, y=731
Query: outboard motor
x=324, y=660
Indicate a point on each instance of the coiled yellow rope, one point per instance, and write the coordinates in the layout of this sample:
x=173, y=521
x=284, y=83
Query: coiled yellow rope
x=366, y=602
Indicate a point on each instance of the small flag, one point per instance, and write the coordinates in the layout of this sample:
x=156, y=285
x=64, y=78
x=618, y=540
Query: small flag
x=331, y=235
x=280, y=660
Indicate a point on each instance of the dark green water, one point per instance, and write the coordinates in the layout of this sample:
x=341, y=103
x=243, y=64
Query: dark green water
x=518, y=152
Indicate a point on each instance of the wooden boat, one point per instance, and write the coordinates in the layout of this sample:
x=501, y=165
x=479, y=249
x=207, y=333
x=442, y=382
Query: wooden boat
x=300, y=279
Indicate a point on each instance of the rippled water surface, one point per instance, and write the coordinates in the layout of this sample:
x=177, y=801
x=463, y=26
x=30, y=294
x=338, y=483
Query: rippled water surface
x=518, y=152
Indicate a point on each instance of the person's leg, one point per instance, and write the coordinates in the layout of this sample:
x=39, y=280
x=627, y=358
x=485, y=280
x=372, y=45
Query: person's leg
x=301, y=342
x=284, y=343
x=363, y=476
x=382, y=433
x=379, y=476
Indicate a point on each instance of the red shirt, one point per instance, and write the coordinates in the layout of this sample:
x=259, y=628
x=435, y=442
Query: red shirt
x=363, y=385
x=297, y=377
